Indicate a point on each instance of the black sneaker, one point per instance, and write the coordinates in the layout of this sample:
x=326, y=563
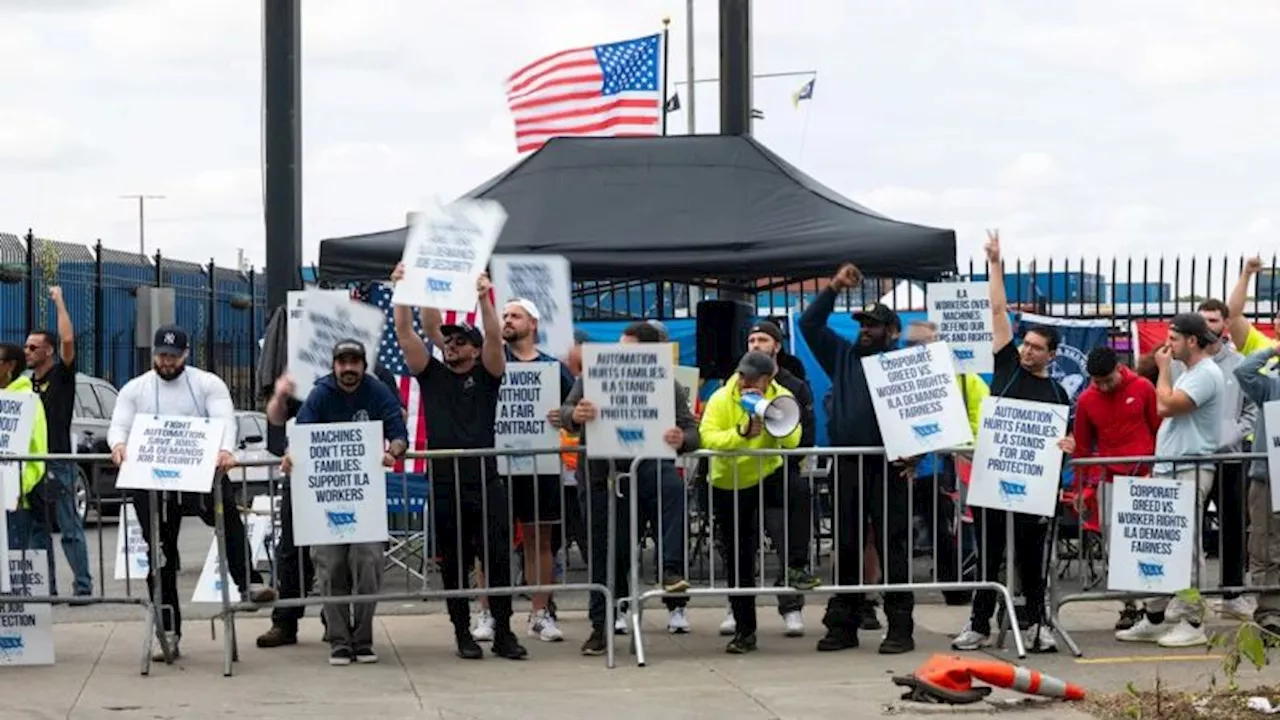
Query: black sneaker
x=507, y=646
x=674, y=583
x=897, y=644
x=277, y=637
x=366, y=656
x=741, y=644
x=838, y=639
x=867, y=619
x=468, y=648
x=802, y=579
x=1129, y=616
x=340, y=656
x=595, y=645
x=80, y=599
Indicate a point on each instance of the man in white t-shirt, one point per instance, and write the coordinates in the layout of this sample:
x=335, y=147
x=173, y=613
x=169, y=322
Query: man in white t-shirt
x=1192, y=410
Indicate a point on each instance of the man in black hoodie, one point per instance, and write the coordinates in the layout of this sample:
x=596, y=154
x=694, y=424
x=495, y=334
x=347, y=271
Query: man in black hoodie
x=861, y=481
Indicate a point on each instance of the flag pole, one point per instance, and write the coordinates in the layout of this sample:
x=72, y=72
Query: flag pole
x=691, y=123
x=662, y=104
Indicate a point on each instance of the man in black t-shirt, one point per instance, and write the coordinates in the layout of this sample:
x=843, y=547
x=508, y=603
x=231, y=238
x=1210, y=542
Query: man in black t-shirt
x=468, y=499
x=52, y=359
x=1021, y=373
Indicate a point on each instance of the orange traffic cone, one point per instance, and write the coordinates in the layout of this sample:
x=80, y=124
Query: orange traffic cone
x=1024, y=680
x=949, y=679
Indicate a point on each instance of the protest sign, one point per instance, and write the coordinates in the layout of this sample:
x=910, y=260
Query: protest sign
x=167, y=452
x=544, y=281
x=209, y=586
x=297, y=300
x=326, y=320
x=529, y=391
x=1017, y=463
x=1152, y=535
x=259, y=525
x=917, y=401
x=132, y=554
x=632, y=386
x=339, y=483
x=1271, y=416
x=26, y=631
x=446, y=249
x=962, y=312
x=17, y=421
x=690, y=378
x=4, y=550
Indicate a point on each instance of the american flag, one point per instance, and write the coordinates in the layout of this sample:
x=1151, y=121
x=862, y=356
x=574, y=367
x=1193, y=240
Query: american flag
x=391, y=357
x=611, y=90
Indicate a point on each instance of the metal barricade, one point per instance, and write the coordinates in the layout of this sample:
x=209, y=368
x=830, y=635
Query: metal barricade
x=452, y=510
x=857, y=481
x=1082, y=535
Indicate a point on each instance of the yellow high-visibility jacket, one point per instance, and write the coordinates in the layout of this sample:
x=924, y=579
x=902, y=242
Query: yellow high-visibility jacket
x=723, y=418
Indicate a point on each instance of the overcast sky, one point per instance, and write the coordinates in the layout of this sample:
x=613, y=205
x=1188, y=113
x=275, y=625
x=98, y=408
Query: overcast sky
x=1079, y=127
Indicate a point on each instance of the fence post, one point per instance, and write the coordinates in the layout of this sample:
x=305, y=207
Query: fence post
x=159, y=269
x=209, y=330
x=99, y=315
x=253, y=341
x=31, y=280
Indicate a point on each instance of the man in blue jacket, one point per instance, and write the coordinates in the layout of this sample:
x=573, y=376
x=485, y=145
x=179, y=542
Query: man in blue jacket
x=350, y=395
x=860, y=481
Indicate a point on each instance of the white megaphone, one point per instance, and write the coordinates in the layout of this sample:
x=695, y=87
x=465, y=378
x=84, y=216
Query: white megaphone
x=780, y=416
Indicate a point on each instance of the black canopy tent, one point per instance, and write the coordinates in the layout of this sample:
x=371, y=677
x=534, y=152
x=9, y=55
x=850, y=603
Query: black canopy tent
x=677, y=209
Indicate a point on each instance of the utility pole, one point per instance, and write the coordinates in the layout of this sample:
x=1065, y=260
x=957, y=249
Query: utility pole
x=690, y=116
x=142, y=218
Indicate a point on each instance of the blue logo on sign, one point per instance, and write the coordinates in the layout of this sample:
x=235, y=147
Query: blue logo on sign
x=1150, y=572
x=435, y=285
x=342, y=523
x=630, y=437
x=11, y=646
x=164, y=474
x=1011, y=490
x=926, y=430
x=963, y=353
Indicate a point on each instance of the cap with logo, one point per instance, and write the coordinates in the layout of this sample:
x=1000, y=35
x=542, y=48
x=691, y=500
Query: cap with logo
x=349, y=348
x=880, y=314
x=468, y=331
x=527, y=305
x=766, y=327
x=170, y=340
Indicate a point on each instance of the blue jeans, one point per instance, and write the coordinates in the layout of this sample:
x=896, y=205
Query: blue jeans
x=60, y=498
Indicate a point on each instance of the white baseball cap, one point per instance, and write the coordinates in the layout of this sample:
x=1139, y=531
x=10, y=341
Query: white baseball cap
x=527, y=306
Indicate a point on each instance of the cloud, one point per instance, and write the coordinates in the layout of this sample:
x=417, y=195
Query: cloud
x=33, y=141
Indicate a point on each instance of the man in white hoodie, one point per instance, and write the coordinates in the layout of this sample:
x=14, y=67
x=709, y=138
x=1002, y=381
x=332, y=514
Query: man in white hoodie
x=172, y=388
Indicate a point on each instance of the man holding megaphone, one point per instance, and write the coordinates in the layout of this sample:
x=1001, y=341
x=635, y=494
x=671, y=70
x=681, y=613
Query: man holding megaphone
x=750, y=411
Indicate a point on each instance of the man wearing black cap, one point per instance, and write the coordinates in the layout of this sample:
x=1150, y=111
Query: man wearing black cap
x=173, y=388
x=460, y=397
x=350, y=395
x=788, y=499
x=860, y=481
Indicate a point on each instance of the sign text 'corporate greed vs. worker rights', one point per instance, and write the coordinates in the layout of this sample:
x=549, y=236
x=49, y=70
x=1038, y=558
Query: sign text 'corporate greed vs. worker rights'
x=1152, y=535
x=339, y=485
x=633, y=388
x=446, y=249
x=1017, y=462
x=17, y=421
x=529, y=391
x=167, y=452
x=917, y=400
x=962, y=312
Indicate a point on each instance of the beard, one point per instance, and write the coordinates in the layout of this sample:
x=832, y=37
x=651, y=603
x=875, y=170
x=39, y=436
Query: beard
x=169, y=374
x=349, y=378
x=512, y=335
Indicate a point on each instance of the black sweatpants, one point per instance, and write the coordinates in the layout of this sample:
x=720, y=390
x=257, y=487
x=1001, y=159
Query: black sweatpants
x=1228, y=496
x=788, y=521
x=736, y=514
x=1029, y=534
x=472, y=522
x=295, y=573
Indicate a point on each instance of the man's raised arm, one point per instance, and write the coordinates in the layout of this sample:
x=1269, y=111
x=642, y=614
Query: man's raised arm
x=1001, y=329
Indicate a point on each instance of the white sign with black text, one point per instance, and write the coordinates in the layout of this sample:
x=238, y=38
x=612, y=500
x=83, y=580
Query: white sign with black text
x=26, y=631
x=168, y=452
x=917, y=401
x=339, y=491
x=1017, y=464
x=632, y=386
x=17, y=422
x=529, y=391
x=543, y=280
x=446, y=249
x=1271, y=416
x=209, y=586
x=297, y=300
x=327, y=319
x=962, y=312
x=132, y=554
x=1152, y=535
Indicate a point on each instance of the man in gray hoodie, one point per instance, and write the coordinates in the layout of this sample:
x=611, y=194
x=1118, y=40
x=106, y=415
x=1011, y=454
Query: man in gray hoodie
x=1264, y=530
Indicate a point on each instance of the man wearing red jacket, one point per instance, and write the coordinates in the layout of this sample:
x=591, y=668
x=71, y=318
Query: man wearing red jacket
x=1115, y=417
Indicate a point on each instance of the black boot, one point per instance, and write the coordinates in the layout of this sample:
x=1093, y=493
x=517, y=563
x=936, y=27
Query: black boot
x=838, y=638
x=900, y=636
x=506, y=645
x=468, y=649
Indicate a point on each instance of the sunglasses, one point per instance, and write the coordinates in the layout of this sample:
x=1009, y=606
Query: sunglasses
x=32, y=347
x=457, y=340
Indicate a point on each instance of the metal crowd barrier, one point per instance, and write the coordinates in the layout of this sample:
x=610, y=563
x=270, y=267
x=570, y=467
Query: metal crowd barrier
x=1082, y=544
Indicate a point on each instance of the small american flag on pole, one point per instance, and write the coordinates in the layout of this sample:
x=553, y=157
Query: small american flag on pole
x=611, y=90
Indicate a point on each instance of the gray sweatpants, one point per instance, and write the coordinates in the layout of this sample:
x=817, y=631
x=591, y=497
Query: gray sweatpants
x=349, y=570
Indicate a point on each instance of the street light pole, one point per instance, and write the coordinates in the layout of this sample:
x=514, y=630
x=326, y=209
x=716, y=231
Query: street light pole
x=690, y=115
x=142, y=218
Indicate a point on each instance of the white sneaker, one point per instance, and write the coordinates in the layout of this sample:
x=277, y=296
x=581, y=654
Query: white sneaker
x=729, y=626
x=543, y=627
x=1184, y=635
x=1143, y=631
x=483, y=631
x=970, y=639
x=1240, y=608
x=794, y=622
x=1044, y=636
x=620, y=626
x=677, y=622
x=1178, y=610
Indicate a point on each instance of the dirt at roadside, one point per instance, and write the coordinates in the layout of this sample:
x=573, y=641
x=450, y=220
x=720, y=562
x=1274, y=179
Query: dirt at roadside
x=1178, y=705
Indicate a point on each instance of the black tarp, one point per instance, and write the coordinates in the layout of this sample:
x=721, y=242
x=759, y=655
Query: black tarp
x=674, y=208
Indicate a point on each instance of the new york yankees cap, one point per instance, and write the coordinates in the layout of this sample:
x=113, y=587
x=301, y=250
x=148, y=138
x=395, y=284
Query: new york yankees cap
x=170, y=340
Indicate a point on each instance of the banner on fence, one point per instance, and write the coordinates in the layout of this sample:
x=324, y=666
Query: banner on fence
x=1017, y=462
x=132, y=554
x=1271, y=416
x=168, y=452
x=917, y=401
x=328, y=318
x=209, y=586
x=1076, y=339
x=447, y=248
x=543, y=280
x=1152, y=535
x=26, y=631
x=339, y=491
x=962, y=312
x=529, y=391
x=633, y=388
x=17, y=421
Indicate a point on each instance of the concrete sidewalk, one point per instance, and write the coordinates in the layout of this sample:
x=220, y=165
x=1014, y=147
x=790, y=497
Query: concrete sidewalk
x=97, y=675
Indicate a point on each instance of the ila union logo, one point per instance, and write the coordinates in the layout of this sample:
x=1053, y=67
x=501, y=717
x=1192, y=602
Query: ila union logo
x=436, y=285
x=1013, y=491
x=11, y=646
x=165, y=475
x=341, y=521
x=924, y=431
x=630, y=436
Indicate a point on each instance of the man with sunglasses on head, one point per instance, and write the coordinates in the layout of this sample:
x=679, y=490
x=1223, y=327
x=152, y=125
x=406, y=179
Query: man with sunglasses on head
x=468, y=497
